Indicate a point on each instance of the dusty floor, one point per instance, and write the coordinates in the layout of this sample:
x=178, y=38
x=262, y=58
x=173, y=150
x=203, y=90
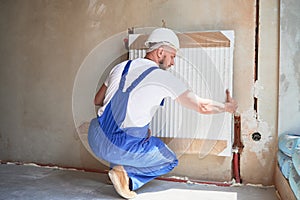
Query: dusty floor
x=31, y=182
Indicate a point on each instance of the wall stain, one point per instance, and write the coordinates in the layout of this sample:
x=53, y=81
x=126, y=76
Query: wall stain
x=95, y=11
x=284, y=84
x=296, y=60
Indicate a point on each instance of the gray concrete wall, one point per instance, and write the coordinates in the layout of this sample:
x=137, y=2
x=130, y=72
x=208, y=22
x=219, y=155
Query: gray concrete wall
x=44, y=43
x=289, y=85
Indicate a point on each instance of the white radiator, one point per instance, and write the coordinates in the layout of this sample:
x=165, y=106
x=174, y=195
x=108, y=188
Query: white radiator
x=205, y=64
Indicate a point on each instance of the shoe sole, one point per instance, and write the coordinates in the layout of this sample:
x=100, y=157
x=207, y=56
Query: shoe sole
x=117, y=185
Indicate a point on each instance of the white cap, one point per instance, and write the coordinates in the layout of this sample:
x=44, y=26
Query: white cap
x=164, y=36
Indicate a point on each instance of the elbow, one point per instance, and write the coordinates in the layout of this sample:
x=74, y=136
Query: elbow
x=97, y=102
x=99, y=98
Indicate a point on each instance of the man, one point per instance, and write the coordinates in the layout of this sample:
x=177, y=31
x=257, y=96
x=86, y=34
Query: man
x=129, y=98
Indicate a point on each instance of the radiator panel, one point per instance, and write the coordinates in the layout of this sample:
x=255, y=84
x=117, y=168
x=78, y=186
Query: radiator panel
x=207, y=70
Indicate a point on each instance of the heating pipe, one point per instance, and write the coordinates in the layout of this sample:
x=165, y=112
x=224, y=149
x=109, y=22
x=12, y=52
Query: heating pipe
x=178, y=180
x=237, y=149
x=171, y=179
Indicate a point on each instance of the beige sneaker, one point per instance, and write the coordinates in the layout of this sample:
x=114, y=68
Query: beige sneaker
x=108, y=181
x=120, y=180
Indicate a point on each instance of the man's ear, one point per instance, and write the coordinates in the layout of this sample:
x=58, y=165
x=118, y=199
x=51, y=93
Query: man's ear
x=160, y=52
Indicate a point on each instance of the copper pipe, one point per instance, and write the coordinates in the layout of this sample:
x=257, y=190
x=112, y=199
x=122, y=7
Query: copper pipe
x=237, y=149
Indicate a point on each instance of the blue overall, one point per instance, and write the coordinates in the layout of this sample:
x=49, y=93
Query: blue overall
x=144, y=158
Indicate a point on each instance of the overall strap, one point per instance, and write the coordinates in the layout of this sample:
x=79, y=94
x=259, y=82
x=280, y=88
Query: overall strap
x=140, y=78
x=124, y=73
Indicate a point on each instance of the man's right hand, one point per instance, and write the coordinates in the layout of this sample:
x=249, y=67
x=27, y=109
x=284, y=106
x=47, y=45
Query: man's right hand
x=230, y=104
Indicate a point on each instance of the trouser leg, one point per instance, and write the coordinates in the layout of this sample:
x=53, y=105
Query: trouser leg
x=141, y=176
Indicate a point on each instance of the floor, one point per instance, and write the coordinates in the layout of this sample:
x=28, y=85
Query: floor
x=43, y=183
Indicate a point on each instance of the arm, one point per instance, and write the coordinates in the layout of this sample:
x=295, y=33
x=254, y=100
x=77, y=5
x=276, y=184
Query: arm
x=98, y=101
x=206, y=106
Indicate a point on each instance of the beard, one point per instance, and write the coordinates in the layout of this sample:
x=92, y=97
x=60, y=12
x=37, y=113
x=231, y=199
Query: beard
x=162, y=63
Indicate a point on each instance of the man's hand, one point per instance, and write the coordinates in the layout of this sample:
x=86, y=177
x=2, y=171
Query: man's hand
x=230, y=104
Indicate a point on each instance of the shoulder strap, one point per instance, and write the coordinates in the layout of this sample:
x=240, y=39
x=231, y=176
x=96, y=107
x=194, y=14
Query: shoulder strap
x=140, y=78
x=124, y=73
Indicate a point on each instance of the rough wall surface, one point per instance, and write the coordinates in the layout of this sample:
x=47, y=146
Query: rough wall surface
x=43, y=44
x=289, y=85
x=258, y=158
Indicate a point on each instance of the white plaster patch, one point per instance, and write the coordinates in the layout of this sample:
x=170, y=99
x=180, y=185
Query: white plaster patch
x=250, y=125
x=180, y=178
x=257, y=89
x=249, y=121
x=260, y=185
x=44, y=166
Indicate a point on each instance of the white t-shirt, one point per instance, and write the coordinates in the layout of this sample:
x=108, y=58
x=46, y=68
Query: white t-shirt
x=148, y=94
